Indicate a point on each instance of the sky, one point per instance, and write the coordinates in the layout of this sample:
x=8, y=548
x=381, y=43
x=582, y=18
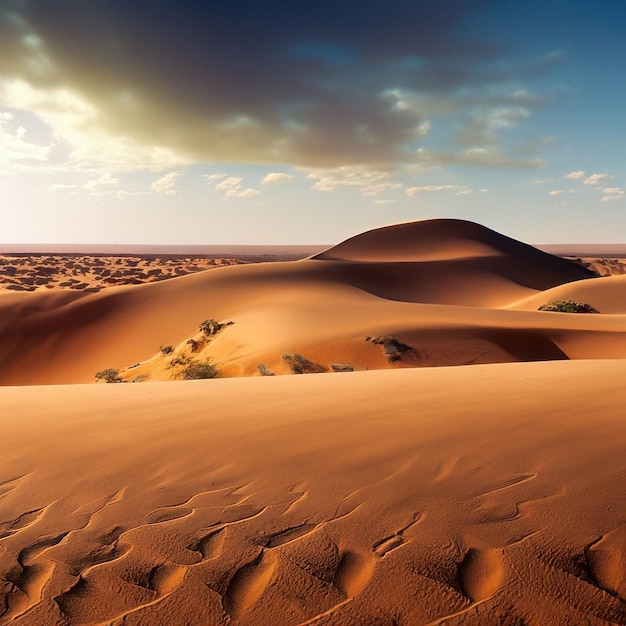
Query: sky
x=276, y=122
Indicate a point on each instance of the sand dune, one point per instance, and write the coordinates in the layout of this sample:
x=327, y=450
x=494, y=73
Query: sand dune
x=322, y=308
x=489, y=493
x=484, y=495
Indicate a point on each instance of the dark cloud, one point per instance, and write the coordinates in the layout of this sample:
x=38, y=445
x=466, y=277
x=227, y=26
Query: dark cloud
x=271, y=81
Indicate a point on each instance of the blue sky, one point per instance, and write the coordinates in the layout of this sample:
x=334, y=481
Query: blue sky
x=281, y=122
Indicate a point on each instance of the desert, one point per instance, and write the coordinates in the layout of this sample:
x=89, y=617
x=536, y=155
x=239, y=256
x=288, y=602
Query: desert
x=393, y=432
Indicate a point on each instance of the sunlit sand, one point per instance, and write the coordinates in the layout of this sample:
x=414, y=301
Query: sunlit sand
x=464, y=466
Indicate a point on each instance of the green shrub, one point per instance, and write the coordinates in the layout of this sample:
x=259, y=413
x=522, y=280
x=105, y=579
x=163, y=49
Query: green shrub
x=109, y=375
x=167, y=349
x=567, y=306
x=264, y=370
x=197, y=371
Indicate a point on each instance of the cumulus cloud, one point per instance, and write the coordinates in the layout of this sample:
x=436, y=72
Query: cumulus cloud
x=102, y=184
x=200, y=83
x=369, y=182
x=165, y=184
x=459, y=190
x=274, y=178
x=487, y=157
x=596, y=179
x=231, y=186
x=560, y=192
x=576, y=175
x=611, y=194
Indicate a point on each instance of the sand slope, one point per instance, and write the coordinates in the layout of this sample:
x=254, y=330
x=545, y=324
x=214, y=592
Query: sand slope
x=491, y=493
x=481, y=495
x=442, y=287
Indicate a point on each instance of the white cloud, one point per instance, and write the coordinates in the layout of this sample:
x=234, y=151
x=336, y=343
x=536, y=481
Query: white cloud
x=576, y=175
x=367, y=181
x=77, y=137
x=460, y=190
x=486, y=157
x=611, y=194
x=15, y=149
x=248, y=193
x=211, y=177
x=596, y=179
x=231, y=187
x=98, y=186
x=274, y=178
x=166, y=183
x=560, y=192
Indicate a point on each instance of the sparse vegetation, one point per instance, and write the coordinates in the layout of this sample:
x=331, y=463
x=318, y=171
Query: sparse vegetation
x=200, y=370
x=568, y=306
x=212, y=327
x=299, y=365
x=264, y=370
x=179, y=360
x=166, y=349
x=109, y=375
x=342, y=367
x=195, y=345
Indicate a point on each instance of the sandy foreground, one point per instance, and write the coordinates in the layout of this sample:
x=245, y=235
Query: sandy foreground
x=405, y=492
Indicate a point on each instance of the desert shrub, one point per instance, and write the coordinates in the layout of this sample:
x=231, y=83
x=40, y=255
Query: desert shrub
x=198, y=370
x=166, y=349
x=109, y=375
x=567, y=306
x=179, y=360
x=342, y=367
x=264, y=370
x=212, y=327
x=299, y=365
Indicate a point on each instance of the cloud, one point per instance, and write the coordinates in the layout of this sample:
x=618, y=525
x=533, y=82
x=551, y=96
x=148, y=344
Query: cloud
x=611, y=194
x=459, y=190
x=100, y=185
x=576, y=175
x=274, y=178
x=75, y=134
x=166, y=183
x=486, y=157
x=368, y=182
x=560, y=192
x=15, y=146
x=596, y=179
x=231, y=186
x=153, y=85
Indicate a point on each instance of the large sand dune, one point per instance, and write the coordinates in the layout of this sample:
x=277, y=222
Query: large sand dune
x=441, y=287
x=490, y=493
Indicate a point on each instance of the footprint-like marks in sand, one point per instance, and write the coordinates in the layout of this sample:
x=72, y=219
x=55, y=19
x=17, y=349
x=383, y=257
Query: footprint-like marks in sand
x=606, y=558
x=248, y=584
x=481, y=573
x=353, y=574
